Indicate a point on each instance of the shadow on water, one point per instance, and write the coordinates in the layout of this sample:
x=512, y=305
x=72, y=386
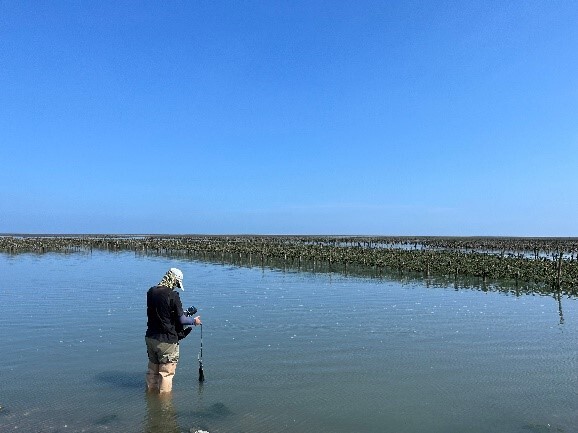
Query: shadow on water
x=205, y=419
x=215, y=411
x=121, y=379
x=161, y=415
x=106, y=420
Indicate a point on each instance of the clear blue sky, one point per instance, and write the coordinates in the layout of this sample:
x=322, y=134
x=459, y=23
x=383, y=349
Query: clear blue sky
x=289, y=117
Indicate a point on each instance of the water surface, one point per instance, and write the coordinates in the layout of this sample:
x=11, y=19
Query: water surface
x=283, y=352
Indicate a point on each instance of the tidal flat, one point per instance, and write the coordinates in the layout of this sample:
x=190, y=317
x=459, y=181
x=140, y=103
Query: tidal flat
x=295, y=340
x=545, y=265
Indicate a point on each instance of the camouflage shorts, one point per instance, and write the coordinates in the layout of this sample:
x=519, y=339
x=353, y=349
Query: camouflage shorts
x=161, y=353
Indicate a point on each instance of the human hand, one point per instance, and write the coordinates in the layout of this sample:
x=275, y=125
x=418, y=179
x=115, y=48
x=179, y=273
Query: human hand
x=197, y=321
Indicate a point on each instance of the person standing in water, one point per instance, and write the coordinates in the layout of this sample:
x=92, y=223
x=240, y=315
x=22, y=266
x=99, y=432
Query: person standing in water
x=166, y=319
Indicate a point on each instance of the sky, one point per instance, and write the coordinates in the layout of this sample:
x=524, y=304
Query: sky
x=391, y=118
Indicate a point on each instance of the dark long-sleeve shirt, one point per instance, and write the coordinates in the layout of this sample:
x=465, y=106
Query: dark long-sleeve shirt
x=164, y=311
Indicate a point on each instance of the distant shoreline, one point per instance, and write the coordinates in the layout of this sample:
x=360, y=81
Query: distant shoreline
x=249, y=235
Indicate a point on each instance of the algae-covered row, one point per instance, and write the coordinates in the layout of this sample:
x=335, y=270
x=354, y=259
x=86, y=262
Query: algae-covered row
x=550, y=262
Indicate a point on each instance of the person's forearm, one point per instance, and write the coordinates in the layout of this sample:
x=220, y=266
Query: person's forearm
x=187, y=320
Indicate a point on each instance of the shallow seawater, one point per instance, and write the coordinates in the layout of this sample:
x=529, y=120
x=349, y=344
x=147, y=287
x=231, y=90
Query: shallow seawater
x=283, y=352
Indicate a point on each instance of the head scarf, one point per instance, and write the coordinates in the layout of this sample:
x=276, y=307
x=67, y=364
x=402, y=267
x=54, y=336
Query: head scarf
x=171, y=280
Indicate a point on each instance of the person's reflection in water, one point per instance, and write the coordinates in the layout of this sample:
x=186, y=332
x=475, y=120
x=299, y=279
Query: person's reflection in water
x=161, y=416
